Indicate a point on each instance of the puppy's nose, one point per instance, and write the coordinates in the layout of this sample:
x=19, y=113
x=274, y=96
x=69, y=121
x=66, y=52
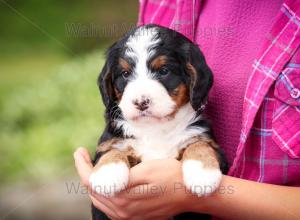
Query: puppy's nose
x=142, y=104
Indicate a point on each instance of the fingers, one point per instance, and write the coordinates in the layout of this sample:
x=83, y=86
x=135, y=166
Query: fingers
x=103, y=200
x=139, y=182
x=145, y=179
x=104, y=208
x=83, y=165
x=138, y=174
x=140, y=192
x=84, y=152
x=144, y=172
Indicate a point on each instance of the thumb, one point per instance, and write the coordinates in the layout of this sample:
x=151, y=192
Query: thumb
x=139, y=181
x=147, y=171
x=83, y=165
x=139, y=174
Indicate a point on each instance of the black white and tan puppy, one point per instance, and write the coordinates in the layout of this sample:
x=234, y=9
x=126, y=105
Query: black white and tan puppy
x=154, y=85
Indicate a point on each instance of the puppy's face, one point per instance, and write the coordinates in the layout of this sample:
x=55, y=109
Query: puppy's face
x=152, y=72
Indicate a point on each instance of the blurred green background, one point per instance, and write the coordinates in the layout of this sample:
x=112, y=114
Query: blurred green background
x=51, y=54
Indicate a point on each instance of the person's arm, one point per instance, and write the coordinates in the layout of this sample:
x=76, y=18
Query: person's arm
x=156, y=191
x=243, y=199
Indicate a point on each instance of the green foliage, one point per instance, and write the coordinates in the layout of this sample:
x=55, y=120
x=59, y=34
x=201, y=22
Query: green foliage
x=42, y=124
x=43, y=24
x=45, y=116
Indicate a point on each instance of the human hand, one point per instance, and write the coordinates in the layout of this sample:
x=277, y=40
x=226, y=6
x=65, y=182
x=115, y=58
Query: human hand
x=155, y=190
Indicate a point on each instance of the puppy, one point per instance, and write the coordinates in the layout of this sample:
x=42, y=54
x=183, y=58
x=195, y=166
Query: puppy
x=154, y=85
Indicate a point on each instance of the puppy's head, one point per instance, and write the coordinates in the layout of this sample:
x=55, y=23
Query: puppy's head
x=152, y=72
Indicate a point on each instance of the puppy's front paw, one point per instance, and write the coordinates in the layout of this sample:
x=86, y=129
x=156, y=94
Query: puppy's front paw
x=110, y=178
x=200, y=180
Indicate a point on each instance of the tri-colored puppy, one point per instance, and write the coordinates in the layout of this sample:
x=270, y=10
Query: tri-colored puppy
x=154, y=85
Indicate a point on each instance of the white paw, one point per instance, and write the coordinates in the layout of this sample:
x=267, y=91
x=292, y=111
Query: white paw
x=110, y=178
x=199, y=180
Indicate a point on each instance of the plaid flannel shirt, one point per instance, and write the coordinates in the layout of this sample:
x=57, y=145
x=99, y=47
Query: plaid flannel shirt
x=269, y=148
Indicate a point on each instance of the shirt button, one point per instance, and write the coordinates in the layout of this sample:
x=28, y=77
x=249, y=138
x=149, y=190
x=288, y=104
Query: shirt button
x=295, y=93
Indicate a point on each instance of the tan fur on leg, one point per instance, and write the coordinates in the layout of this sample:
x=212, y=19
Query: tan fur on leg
x=112, y=155
x=203, y=151
x=110, y=174
x=200, y=167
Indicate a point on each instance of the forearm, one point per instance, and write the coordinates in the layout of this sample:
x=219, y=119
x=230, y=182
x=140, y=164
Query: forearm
x=242, y=199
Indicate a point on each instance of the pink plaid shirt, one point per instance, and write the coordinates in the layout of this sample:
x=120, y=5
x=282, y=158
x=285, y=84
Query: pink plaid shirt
x=269, y=148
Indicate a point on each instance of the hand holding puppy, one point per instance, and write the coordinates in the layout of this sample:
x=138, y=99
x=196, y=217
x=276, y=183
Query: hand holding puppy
x=152, y=192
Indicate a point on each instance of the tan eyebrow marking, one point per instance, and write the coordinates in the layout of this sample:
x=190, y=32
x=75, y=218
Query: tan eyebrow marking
x=124, y=64
x=158, y=62
x=180, y=96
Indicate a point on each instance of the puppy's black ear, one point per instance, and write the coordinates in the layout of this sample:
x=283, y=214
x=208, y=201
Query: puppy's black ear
x=105, y=85
x=200, y=75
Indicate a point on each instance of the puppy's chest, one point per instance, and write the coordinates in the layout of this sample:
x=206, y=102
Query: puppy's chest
x=158, y=144
x=151, y=147
x=163, y=139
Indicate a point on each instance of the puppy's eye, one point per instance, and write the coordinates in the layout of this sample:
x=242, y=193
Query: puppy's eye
x=125, y=74
x=163, y=71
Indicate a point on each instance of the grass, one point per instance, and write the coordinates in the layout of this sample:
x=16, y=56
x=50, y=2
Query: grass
x=45, y=115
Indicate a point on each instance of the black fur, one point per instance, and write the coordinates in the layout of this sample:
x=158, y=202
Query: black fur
x=180, y=51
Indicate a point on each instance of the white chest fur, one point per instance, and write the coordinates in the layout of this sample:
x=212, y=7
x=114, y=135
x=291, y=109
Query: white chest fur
x=161, y=139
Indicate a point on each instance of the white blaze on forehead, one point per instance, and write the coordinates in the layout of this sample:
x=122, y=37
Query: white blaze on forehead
x=139, y=48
